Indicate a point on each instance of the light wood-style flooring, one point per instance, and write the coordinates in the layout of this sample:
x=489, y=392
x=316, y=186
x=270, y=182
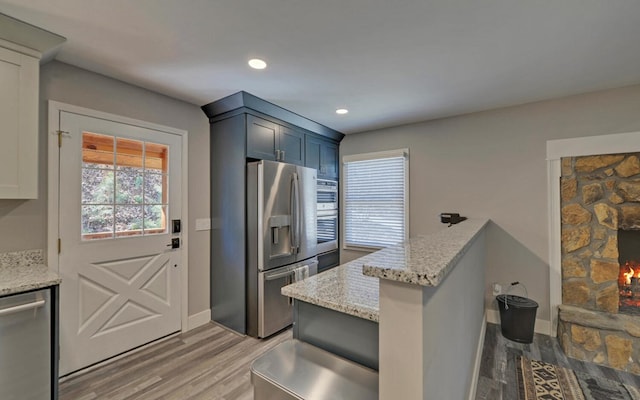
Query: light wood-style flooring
x=206, y=363
x=497, y=378
x=212, y=363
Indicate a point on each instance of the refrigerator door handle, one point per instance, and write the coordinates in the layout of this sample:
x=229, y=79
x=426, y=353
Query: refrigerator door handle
x=298, y=212
x=292, y=210
x=295, y=214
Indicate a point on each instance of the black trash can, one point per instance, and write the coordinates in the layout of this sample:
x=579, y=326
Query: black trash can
x=517, y=317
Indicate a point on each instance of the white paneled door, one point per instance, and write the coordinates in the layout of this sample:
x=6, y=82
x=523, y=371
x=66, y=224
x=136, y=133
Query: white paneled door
x=119, y=190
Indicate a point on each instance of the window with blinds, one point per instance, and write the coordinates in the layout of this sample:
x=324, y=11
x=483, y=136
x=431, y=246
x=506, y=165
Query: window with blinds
x=376, y=202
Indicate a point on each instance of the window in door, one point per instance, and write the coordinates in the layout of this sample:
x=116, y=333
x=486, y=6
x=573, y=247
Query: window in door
x=376, y=201
x=124, y=187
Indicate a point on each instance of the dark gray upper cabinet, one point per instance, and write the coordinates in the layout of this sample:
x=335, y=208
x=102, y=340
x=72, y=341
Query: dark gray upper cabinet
x=291, y=145
x=262, y=138
x=322, y=155
x=329, y=159
x=267, y=140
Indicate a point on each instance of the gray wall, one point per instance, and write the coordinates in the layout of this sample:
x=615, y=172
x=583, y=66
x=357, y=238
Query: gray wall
x=492, y=164
x=23, y=224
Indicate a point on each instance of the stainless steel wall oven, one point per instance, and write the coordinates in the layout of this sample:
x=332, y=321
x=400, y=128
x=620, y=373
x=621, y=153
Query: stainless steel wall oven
x=327, y=232
x=327, y=218
x=327, y=195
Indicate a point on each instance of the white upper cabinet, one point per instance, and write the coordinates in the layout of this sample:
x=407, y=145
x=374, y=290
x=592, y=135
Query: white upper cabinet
x=19, y=76
x=22, y=46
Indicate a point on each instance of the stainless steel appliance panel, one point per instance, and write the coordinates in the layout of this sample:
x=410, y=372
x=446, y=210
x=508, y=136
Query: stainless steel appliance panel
x=327, y=231
x=281, y=232
x=277, y=199
x=296, y=370
x=327, y=215
x=275, y=311
x=284, y=199
x=327, y=194
x=307, y=240
x=25, y=346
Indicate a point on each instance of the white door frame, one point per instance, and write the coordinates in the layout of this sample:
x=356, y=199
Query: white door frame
x=574, y=147
x=55, y=108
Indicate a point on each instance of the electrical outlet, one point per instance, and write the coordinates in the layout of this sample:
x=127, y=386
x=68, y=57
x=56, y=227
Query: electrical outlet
x=497, y=289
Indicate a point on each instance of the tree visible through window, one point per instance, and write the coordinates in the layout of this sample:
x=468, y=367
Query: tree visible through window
x=124, y=187
x=376, y=198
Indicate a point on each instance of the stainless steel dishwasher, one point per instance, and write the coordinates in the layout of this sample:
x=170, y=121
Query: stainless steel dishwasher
x=25, y=346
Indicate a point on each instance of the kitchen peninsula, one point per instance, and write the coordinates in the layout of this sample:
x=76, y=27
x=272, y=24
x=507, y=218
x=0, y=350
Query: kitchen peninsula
x=414, y=311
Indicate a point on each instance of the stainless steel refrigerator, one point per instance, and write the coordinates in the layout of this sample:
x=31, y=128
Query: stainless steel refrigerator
x=281, y=240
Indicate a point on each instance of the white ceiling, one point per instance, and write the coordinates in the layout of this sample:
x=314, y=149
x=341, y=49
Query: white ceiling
x=388, y=62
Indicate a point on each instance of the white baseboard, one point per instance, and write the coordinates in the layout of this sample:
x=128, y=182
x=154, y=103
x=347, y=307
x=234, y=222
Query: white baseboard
x=541, y=326
x=199, y=319
x=475, y=375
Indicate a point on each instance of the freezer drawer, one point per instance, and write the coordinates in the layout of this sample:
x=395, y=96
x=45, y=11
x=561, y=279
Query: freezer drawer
x=25, y=346
x=275, y=311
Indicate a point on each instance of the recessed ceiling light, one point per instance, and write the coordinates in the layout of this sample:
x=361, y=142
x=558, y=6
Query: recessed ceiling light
x=257, y=63
x=342, y=111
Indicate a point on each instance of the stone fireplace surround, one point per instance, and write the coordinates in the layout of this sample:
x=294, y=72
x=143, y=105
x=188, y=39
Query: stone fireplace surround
x=599, y=195
x=591, y=321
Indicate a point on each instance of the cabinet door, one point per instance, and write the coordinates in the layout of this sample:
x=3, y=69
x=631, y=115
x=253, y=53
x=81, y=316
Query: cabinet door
x=19, y=135
x=328, y=260
x=328, y=160
x=322, y=154
x=291, y=145
x=262, y=136
x=312, y=152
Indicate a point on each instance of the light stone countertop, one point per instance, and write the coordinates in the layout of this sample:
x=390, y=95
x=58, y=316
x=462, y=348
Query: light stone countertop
x=342, y=289
x=353, y=288
x=22, y=271
x=425, y=260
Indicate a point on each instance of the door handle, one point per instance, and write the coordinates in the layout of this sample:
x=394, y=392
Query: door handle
x=175, y=243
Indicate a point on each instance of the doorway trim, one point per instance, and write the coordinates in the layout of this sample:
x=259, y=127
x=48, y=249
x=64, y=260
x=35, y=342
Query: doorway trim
x=55, y=108
x=556, y=149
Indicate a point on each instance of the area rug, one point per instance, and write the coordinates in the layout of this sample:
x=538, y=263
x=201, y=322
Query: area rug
x=538, y=380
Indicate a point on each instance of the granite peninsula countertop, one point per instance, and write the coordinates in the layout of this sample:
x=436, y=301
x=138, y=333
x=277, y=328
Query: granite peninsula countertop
x=21, y=271
x=425, y=260
x=353, y=288
x=342, y=289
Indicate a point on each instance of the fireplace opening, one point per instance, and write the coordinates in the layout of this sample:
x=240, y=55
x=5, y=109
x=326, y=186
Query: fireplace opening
x=629, y=277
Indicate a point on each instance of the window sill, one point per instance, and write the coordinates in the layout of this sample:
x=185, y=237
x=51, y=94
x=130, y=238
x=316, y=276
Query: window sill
x=362, y=249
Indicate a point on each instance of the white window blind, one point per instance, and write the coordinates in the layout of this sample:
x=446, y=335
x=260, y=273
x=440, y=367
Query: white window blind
x=376, y=198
